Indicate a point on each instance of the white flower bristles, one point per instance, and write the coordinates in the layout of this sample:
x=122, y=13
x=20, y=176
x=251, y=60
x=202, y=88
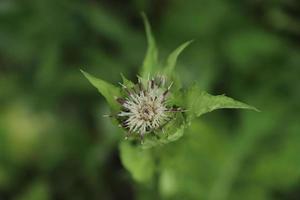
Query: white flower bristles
x=144, y=108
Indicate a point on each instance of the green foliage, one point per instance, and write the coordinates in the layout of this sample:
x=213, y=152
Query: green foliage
x=106, y=89
x=150, y=63
x=200, y=102
x=127, y=82
x=37, y=191
x=55, y=144
x=138, y=161
x=172, y=59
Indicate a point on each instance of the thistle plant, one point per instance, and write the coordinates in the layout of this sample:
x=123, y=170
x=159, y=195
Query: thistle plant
x=155, y=109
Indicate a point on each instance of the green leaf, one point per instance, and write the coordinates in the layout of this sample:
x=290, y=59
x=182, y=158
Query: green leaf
x=108, y=90
x=192, y=162
x=151, y=141
x=127, y=82
x=168, y=184
x=172, y=59
x=139, y=162
x=151, y=59
x=200, y=102
x=177, y=134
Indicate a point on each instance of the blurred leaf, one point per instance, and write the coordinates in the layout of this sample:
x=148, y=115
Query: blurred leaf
x=250, y=192
x=188, y=166
x=200, y=102
x=23, y=129
x=137, y=161
x=167, y=182
x=253, y=128
x=106, y=89
x=245, y=48
x=37, y=191
x=279, y=167
x=151, y=58
x=172, y=59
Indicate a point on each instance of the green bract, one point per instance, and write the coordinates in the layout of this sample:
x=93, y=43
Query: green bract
x=193, y=100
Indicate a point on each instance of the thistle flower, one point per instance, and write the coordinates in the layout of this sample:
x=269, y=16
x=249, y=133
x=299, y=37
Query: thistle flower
x=144, y=108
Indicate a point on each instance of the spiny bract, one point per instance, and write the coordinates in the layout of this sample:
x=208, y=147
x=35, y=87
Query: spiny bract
x=144, y=107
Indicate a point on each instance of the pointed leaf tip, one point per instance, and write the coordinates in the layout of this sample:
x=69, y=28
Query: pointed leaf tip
x=126, y=82
x=151, y=57
x=108, y=90
x=172, y=58
x=200, y=102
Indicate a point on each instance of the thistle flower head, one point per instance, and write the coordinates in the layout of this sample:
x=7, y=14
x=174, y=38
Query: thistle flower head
x=144, y=108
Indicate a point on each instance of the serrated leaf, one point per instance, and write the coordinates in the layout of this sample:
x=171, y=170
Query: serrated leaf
x=139, y=162
x=108, y=90
x=200, y=102
x=172, y=58
x=151, y=58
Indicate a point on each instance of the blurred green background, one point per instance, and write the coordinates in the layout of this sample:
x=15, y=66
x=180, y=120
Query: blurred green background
x=55, y=144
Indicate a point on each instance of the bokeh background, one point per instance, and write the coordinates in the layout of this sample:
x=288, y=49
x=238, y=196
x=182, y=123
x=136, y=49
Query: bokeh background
x=55, y=144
